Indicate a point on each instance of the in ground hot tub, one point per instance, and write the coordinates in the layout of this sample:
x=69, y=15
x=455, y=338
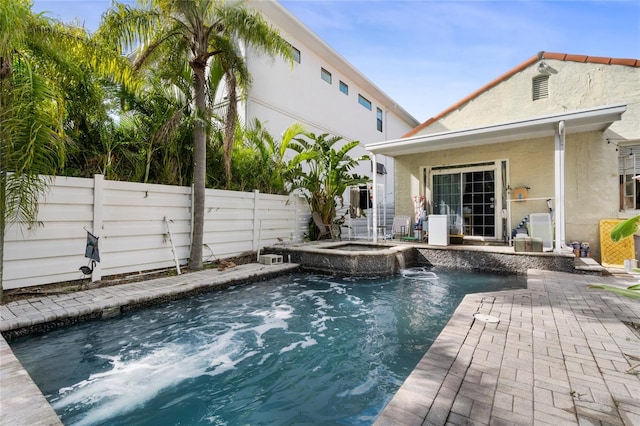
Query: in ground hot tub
x=350, y=258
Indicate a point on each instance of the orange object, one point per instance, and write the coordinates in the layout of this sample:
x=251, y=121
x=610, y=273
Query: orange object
x=520, y=194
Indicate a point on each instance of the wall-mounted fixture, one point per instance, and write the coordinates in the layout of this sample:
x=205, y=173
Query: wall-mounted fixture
x=544, y=68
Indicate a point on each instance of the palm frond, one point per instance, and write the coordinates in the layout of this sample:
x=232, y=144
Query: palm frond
x=632, y=292
x=625, y=228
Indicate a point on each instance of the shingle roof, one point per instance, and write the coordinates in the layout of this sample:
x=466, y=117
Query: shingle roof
x=517, y=69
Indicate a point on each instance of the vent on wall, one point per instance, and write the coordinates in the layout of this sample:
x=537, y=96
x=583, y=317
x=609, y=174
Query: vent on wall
x=540, y=87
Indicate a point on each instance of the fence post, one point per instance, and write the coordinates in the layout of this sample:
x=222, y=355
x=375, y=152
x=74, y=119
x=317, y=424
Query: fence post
x=256, y=221
x=293, y=201
x=98, y=196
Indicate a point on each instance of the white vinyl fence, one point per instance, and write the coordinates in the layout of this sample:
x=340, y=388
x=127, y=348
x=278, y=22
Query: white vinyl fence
x=135, y=224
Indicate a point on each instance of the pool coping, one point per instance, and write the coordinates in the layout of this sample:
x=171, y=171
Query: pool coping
x=557, y=355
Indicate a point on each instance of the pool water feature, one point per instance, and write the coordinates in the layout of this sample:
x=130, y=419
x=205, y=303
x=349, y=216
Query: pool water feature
x=295, y=349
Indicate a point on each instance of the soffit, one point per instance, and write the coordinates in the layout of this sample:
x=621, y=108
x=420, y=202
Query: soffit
x=586, y=120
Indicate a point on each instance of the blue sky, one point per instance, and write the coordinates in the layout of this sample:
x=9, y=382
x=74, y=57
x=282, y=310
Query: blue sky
x=428, y=54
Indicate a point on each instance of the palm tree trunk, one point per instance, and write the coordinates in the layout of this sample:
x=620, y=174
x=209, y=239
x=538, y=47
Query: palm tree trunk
x=199, y=166
x=230, y=126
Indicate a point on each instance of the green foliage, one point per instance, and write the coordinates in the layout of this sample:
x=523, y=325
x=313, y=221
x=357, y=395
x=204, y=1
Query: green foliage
x=632, y=292
x=47, y=70
x=625, y=228
x=49, y=74
x=258, y=159
x=622, y=230
x=322, y=169
x=195, y=33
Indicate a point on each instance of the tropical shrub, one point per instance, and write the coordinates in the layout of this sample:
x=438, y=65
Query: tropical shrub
x=321, y=168
x=624, y=229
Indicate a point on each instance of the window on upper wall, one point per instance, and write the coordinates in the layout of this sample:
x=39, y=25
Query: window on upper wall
x=296, y=54
x=344, y=88
x=325, y=75
x=540, y=87
x=379, y=119
x=364, y=102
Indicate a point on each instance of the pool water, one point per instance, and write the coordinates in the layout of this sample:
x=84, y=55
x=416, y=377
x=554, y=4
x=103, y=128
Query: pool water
x=298, y=349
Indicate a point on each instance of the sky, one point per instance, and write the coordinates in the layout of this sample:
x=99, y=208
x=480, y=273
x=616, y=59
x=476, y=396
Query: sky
x=428, y=54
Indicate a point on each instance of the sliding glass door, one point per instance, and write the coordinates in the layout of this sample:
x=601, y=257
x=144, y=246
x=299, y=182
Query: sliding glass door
x=447, y=199
x=468, y=196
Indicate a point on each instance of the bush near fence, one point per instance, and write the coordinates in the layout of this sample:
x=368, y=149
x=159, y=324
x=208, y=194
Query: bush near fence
x=134, y=222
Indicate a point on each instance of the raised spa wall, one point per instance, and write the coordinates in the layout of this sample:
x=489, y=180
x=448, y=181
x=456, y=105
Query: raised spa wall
x=329, y=258
x=469, y=258
x=387, y=259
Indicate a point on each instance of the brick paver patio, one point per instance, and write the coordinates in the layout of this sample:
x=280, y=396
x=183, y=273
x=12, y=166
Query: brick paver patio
x=558, y=355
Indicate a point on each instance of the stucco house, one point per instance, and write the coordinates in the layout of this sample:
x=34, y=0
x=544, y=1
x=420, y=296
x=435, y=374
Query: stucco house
x=557, y=134
x=324, y=92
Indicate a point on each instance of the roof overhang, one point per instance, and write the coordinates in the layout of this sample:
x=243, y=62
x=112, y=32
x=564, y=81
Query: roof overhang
x=587, y=120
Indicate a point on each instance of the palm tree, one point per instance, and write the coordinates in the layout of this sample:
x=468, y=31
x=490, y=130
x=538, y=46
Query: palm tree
x=195, y=31
x=270, y=165
x=39, y=57
x=322, y=168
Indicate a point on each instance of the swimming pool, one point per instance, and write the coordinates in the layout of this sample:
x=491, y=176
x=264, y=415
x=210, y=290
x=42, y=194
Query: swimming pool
x=294, y=349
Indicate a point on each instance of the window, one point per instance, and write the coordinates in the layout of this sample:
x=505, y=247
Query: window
x=628, y=167
x=540, y=87
x=326, y=75
x=344, y=88
x=296, y=54
x=379, y=119
x=364, y=102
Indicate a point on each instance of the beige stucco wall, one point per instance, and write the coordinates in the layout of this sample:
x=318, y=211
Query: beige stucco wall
x=591, y=186
x=591, y=164
x=572, y=86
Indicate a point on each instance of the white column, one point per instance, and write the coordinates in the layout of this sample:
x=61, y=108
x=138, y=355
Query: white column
x=559, y=187
x=374, y=218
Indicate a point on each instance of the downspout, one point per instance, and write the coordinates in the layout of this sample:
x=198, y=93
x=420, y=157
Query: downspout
x=559, y=187
x=374, y=165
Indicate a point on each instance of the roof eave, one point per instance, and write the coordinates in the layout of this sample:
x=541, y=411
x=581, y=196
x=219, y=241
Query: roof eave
x=586, y=120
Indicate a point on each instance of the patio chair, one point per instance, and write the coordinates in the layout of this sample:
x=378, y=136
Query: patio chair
x=400, y=226
x=325, y=230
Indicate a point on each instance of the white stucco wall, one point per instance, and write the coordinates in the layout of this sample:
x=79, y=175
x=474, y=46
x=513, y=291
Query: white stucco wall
x=281, y=94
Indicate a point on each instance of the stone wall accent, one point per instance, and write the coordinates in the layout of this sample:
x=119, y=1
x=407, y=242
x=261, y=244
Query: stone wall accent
x=503, y=263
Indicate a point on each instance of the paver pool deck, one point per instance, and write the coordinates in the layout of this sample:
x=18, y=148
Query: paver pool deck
x=559, y=353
